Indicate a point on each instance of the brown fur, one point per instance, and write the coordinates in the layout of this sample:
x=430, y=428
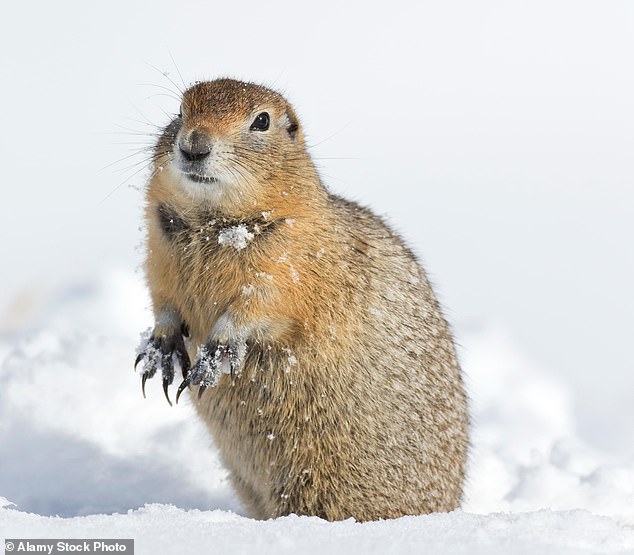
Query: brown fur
x=350, y=401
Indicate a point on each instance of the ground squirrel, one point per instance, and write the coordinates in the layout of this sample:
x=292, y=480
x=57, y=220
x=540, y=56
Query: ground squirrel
x=322, y=363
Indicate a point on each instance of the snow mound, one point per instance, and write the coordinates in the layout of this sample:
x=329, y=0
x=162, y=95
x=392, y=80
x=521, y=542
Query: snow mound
x=526, y=451
x=81, y=437
x=79, y=441
x=161, y=529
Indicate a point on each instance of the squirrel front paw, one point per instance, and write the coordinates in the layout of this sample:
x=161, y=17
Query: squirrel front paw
x=158, y=351
x=213, y=359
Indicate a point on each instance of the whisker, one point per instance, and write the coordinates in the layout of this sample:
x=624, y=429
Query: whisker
x=239, y=167
x=146, y=160
x=177, y=70
x=137, y=143
x=277, y=78
x=330, y=136
x=128, y=132
x=125, y=181
x=157, y=86
x=166, y=75
x=146, y=120
x=172, y=96
x=140, y=122
x=137, y=132
x=338, y=158
x=139, y=152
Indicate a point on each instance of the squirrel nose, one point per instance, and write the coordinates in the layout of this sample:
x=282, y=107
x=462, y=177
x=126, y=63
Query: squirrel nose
x=195, y=147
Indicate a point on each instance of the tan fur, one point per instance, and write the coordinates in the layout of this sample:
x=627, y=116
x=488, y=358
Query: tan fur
x=350, y=401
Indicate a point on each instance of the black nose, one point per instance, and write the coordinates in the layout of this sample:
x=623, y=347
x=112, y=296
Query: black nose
x=195, y=147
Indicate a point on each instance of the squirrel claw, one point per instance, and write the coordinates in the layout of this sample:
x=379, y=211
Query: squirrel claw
x=158, y=353
x=166, y=384
x=139, y=358
x=182, y=387
x=143, y=380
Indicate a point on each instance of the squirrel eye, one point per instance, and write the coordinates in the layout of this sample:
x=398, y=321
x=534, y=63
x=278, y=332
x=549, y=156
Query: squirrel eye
x=261, y=122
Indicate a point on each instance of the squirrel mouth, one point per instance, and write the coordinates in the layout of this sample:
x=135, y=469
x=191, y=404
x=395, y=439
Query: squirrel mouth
x=201, y=178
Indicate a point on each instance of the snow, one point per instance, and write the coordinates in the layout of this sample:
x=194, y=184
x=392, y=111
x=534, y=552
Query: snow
x=505, y=162
x=79, y=441
x=210, y=367
x=527, y=453
x=294, y=274
x=237, y=236
x=167, y=529
x=152, y=358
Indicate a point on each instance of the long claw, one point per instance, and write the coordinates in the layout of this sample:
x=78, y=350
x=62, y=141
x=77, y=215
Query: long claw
x=201, y=390
x=158, y=356
x=182, y=387
x=183, y=359
x=166, y=383
x=138, y=359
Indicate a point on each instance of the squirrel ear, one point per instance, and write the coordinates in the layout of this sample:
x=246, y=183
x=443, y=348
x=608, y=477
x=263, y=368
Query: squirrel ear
x=293, y=125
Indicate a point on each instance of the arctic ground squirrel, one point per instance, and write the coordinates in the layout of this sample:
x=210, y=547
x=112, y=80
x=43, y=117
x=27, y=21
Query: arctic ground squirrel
x=308, y=336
